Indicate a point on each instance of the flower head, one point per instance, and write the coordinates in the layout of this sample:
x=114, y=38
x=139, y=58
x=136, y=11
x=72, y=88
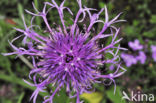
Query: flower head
x=135, y=45
x=70, y=56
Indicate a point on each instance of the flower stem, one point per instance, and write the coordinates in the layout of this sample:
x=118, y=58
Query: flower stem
x=16, y=80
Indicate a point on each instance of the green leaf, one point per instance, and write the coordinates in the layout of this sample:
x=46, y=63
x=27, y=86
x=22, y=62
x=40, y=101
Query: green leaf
x=38, y=21
x=20, y=98
x=103, y=101
x=117, y=97
x=16, y=80
x=129, y=30
x=62, y=95
x=153, y=19
x=94, y=97
x=99, y=87
x=20, y=9
x=135, y=22
x=101, y=4
x=149, y=34
x=4, y=27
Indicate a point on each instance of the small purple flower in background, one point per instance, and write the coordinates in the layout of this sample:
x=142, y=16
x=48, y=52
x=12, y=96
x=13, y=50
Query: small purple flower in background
x=153, y=47
x=128, y=59
x=69, y=57
x=135, y=45
x=141, y=57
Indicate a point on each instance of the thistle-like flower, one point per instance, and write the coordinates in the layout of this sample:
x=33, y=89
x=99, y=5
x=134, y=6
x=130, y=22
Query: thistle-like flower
x=70, y=57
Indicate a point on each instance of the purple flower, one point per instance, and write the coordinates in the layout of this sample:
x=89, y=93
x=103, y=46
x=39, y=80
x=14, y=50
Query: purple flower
x=141, y=57
x=153, y=47
x=128, y=59
x=70, y=56
x=135, y=45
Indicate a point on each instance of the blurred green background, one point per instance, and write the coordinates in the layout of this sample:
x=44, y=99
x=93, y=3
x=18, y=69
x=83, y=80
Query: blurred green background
x=141, y=24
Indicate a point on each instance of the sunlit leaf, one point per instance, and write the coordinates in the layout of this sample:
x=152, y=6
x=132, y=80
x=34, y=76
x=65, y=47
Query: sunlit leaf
x=94, y=97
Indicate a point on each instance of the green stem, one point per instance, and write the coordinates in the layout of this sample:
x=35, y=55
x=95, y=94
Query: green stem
x=38, y=21
x=26, y=62
x=15, y=80
x=3, y=46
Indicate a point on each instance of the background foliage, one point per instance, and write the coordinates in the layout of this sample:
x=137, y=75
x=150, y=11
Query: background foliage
x=141, y=24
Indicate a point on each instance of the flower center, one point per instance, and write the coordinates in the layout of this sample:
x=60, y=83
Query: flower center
x=68, y=58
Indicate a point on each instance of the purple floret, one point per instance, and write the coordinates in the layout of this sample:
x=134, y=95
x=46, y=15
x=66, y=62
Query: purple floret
x=128, y=59
x=153, y=48
x=69, y=57
x=141, y=57
x=135, y=45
